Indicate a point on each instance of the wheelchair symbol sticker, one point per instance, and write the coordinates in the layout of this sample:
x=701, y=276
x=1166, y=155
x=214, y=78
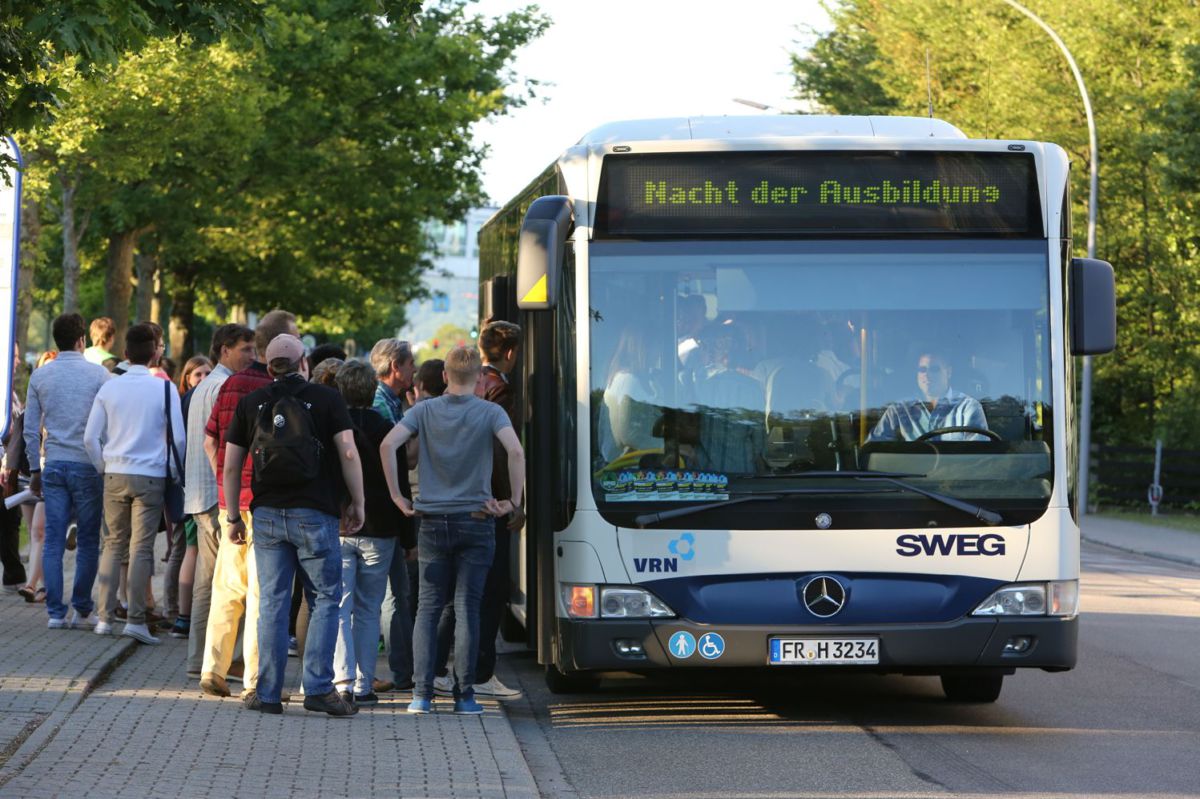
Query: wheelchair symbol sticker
x=682, y=644
x=712, y=646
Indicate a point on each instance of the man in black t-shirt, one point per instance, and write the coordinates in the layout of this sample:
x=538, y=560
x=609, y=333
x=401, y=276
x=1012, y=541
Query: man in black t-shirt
x=295, y=517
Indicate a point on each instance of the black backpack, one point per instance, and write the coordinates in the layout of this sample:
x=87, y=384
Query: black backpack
x=285, y=449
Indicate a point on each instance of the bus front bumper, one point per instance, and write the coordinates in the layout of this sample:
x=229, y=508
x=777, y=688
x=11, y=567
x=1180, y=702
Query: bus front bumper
x=973, y=642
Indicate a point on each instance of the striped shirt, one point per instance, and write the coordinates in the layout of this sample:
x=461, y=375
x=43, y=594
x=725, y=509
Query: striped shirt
x=908, y=421
x=200, y=487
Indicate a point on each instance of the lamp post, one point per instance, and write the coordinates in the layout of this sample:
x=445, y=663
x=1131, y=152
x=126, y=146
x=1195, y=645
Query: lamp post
x=1085, y=401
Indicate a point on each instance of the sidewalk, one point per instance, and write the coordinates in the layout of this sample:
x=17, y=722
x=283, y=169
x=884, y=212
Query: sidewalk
x=1180, y=546
x=88, y=716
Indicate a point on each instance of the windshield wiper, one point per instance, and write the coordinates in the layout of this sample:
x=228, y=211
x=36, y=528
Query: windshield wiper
x=662, y=516
x=989, y=517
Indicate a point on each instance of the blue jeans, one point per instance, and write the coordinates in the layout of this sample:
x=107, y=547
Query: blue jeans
x=287, y=539
x=71, y=490
x=455, y=552
x=365, y=565
x=397, y=619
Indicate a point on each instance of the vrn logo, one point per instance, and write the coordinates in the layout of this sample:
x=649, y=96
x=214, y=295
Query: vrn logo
x=915, y=544
x=682, y=548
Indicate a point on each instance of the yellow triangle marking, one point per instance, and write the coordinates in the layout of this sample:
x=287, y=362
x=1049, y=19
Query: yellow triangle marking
x=538, y=292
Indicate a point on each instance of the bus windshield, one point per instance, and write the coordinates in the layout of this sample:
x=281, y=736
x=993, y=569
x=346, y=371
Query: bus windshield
x=722, y=369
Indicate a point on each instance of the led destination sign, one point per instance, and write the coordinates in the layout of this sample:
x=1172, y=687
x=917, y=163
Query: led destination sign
x=787, y=194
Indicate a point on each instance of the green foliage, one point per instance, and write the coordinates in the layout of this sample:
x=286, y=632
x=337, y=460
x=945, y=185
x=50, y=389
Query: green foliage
x=36, y=35
x=293, y=171
x=995, y=74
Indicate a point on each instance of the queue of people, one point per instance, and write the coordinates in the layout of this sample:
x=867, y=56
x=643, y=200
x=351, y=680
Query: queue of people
x=281, y=479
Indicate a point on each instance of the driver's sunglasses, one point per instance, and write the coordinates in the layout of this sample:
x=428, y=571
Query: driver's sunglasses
x=932, y=369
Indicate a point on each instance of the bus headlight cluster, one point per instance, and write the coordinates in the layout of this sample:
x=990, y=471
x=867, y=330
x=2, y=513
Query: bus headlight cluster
x=632, y=603
x=1056, y=598
x=615, y=602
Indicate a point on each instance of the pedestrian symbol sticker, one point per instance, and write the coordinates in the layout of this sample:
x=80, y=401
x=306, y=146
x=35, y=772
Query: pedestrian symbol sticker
x=712, y=646
x=682, y=644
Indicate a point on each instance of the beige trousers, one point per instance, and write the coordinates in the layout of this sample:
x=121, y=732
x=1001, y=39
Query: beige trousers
x=234, y=593
x=133, y=506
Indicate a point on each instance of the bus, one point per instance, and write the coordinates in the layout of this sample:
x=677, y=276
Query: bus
x=797, y=392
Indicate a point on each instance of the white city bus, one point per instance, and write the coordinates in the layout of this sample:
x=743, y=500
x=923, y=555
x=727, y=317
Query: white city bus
x=797, y=392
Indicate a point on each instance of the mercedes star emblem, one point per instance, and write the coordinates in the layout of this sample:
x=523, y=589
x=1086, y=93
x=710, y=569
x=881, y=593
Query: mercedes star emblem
x=824, y=596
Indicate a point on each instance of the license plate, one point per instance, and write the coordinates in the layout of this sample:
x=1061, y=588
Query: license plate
x=823, y=651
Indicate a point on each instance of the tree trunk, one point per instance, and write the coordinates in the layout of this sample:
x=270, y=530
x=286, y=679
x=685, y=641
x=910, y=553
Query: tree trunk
x=72, y=232
x=146, y=267
x=31, y=232
x=183, y=313
x=118, y=280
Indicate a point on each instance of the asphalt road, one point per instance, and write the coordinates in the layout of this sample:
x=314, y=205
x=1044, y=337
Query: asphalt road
x=1125, y=722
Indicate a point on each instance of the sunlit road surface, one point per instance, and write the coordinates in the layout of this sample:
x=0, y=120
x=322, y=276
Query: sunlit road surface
x=1124, y=723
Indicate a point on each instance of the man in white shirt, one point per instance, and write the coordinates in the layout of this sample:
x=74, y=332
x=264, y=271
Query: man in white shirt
x=232, y=351
x=126, y=441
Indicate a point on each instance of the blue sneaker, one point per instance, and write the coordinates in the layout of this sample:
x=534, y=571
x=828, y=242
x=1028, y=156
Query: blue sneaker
x=421, y=706
x=467, y=707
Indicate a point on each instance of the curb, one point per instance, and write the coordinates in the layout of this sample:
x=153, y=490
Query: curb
x=93, y=676
x=1132, y=551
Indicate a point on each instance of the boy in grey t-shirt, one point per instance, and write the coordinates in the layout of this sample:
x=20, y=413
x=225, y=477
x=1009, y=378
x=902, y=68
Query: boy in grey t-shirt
x=456, y=539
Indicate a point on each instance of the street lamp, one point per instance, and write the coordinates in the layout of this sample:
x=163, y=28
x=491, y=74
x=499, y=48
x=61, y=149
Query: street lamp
x=1085, y=401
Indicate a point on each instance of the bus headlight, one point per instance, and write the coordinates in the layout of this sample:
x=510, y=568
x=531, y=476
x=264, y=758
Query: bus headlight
x=632, y=603
x=1057, y=598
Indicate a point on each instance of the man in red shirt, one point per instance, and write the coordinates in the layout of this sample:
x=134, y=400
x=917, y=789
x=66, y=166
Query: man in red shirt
x=235, y=586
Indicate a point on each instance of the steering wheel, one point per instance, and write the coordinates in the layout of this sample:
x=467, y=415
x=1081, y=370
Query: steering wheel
x=943, y=430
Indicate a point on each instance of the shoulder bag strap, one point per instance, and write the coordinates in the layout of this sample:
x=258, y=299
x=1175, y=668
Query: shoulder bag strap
x=171, y=451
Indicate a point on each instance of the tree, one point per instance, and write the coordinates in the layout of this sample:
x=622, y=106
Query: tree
x=35, y=35
x=296, y=172
x=373, y=140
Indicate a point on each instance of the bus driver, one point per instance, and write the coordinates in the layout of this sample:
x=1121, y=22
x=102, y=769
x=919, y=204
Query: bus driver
x=940, y=407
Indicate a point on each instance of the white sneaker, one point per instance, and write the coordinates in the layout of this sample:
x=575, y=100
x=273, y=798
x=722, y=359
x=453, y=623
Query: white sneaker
x=103, y=628
x=56, y=624
x=497, y=690
x=79, y=622
x=443, y=686
x=139, y=632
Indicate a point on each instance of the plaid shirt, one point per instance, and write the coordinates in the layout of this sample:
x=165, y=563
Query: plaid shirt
x=388, y=404
x=233, y=389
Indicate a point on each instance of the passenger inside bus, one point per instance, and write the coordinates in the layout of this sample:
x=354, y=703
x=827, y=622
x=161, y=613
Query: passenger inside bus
x=939, y=407
x=732, y=402
x=631, y=396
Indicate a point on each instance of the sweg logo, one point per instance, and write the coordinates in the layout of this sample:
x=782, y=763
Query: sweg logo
x=683, y=547
x=914, y=544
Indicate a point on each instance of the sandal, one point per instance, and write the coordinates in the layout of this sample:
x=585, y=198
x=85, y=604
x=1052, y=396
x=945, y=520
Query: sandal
x=39, y=595
x=28, y=593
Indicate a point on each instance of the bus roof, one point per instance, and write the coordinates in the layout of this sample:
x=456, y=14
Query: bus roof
x=771, y=126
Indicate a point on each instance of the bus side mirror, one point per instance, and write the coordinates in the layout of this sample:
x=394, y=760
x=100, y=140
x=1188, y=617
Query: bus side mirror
x=1093, y=307
x=540, y=252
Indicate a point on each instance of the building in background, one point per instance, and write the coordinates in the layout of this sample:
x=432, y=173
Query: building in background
x=451, y=312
